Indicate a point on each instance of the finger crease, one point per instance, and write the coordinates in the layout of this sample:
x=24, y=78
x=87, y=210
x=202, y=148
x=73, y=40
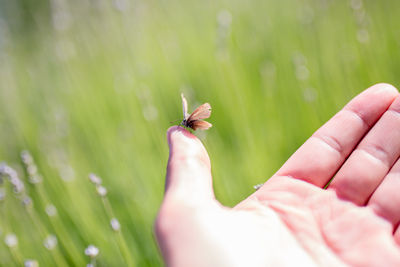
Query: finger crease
x=360, y=116
x=331, y=141
x=396, y=112
x=378, y=153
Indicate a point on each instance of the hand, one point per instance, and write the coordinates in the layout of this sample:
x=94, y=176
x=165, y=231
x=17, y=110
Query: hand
x=292, y=220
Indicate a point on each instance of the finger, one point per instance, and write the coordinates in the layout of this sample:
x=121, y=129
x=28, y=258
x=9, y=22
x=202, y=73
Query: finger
x=366, y=167
x=189, y=170
x=319, y=158
x=385, y=201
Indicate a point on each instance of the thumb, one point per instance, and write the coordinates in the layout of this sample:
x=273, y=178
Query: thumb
x=189, y=168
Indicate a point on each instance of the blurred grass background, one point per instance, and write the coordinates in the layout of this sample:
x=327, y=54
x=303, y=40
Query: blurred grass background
x=92, y=85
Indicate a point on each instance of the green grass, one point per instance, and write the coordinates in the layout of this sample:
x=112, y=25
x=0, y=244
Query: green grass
x=91, y=86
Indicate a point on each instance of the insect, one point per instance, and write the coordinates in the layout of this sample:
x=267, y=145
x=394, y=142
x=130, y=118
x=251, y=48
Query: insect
x=195, y=120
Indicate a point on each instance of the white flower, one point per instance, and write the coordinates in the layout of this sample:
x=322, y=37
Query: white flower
x=11, y=240
x=51, y=210
x=91, y=251
x=50, y=242
x=115, y=224
x=31, y=263
x=224, y=18
x=302, y=73
x=35, y=179
x=26, y=157
x=101, y=190
x=257, y=186
x=31, y=169
x=95, y=179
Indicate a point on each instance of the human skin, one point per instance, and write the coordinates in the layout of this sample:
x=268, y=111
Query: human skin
x=292, y=220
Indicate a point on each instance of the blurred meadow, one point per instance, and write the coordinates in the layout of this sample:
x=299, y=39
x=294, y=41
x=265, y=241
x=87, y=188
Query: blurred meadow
x=91, y=86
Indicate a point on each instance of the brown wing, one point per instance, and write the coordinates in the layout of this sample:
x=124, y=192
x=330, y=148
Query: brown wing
x=202, y=112
x=202, y=125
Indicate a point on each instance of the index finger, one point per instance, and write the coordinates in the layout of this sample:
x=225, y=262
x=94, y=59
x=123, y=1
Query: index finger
x=189, y=168
x=320, y=157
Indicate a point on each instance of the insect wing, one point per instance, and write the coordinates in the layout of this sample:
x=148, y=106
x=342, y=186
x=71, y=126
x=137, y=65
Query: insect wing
x=202, y=112
x=184, y=107
x=202, y=125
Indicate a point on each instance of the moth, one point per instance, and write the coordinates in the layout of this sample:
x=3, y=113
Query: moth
x=195, y=120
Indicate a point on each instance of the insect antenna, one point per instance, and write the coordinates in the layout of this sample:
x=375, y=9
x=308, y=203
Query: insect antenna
x=175, y=121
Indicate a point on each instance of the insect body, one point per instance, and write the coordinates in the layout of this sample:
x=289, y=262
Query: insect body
x=195, y=120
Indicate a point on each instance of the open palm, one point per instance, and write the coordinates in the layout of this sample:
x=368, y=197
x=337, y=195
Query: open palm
x=292, y=220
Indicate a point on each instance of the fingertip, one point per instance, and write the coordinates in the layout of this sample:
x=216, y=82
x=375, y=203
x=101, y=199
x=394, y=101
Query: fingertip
x=376, y=98
x=384, y=88
x=173, y=128
x=184, y=144
x=179, y=134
